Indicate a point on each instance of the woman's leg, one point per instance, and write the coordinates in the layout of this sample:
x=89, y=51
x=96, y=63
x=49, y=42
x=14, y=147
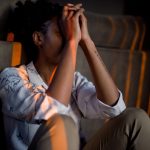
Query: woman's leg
x=128, y=131
x=58, y=133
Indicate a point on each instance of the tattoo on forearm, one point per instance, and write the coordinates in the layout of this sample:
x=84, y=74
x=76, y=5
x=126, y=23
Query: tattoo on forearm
x=96, y=52
x=98, y=55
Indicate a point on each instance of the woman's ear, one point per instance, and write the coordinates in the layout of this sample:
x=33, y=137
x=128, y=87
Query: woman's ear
x=37, y=38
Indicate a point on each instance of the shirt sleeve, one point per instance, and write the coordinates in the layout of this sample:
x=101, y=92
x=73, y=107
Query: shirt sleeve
x=90, y=105
x=25, y=101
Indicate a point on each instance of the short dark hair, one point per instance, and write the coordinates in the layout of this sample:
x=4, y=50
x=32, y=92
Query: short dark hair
x=29, y=17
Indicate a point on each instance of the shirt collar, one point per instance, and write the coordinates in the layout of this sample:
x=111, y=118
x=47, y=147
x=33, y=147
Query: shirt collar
x=34, y=76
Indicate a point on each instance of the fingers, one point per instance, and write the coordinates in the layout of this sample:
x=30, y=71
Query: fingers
x=79, y=12
x=82, y=17
x=74, y=7
x=76, y=14
x=70, y=9
x=78, y=6
x=66, y=9
x=71, y=13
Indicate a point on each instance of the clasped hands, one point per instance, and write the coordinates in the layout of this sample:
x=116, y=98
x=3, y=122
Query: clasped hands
x=74, y=23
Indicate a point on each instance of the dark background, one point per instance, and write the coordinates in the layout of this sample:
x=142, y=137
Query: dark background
x=140, y=8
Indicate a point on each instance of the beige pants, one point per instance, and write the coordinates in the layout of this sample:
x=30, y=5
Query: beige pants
x=128, y=131
x=58, y=133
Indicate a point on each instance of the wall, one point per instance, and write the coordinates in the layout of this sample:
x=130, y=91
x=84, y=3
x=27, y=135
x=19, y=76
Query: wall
x=140, y=8
x=99, y=6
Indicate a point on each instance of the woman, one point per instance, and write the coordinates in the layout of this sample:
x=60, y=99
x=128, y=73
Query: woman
x=44, y=100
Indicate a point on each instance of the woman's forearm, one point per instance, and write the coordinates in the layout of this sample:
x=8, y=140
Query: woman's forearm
x=105, y=87
x=61, y=85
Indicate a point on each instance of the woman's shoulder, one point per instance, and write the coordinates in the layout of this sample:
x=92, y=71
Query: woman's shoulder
x=13, y=71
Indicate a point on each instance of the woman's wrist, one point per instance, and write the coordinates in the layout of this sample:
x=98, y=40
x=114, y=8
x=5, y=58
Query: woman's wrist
x=86, y=40
x=72, y=43
x=86, y=44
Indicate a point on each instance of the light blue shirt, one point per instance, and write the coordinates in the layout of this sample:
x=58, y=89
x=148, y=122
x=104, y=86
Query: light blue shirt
x=25, y=104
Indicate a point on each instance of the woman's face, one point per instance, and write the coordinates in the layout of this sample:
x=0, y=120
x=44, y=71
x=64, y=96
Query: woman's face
x=52, y=44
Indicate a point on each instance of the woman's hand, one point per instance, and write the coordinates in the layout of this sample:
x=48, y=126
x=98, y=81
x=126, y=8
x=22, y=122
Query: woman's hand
x=70, y=22
x=84, y=29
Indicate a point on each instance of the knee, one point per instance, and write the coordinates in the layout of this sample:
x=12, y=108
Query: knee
x=131, y=115
x=135, y=113
x=64, y=127
x=59, y=121
x=68, y=120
